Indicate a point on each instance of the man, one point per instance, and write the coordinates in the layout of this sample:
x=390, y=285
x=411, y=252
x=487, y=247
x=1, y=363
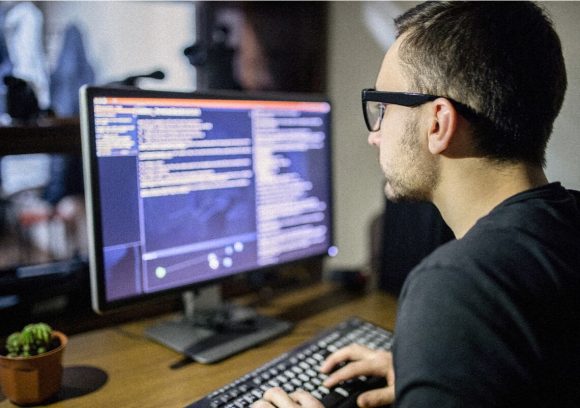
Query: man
x=463, y=109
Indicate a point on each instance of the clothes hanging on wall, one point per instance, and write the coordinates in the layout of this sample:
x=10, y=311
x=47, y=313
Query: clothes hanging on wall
x=71, y=72
x=23, y=32
x=5, y=63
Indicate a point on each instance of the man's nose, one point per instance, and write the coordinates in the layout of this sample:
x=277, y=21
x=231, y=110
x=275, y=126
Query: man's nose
x=373, y=138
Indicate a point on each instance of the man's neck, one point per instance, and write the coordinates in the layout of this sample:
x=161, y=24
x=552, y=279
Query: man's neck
x=471, y=189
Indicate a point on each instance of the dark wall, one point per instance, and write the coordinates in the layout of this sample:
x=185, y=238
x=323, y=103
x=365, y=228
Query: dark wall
x=292, y=37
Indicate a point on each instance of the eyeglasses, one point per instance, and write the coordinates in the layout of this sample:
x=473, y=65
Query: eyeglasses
x=374, y=104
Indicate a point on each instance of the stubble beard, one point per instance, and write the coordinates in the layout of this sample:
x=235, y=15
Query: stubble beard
x=415, y=174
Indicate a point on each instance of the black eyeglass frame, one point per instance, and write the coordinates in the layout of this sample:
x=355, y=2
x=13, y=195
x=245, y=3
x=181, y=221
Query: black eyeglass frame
x=409, y=99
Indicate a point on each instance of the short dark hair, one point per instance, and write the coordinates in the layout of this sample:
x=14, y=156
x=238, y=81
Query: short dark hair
x=503, y=59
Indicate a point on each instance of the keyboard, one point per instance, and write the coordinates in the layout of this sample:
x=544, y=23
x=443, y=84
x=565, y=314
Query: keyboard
x=298, y=368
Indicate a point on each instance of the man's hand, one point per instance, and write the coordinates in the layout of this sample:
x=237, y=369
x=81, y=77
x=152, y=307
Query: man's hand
x=277, y=397
x=362, y=361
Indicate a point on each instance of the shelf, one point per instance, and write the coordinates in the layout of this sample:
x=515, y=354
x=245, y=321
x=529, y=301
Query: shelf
x=57, y=136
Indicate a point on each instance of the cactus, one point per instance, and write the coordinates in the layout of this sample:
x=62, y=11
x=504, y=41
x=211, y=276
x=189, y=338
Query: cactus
x=34, y=339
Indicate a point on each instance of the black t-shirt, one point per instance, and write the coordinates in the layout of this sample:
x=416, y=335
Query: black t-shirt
x=493, y=319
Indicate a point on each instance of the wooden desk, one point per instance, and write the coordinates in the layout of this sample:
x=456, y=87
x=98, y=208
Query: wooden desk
x=138, y=371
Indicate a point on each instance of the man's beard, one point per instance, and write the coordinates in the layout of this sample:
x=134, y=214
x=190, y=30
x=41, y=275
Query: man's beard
x=416, y=173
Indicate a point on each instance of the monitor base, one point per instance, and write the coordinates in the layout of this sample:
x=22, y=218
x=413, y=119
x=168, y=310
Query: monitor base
x=213, y=334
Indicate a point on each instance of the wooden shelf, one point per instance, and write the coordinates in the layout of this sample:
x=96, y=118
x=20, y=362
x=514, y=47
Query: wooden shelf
x=55, y=136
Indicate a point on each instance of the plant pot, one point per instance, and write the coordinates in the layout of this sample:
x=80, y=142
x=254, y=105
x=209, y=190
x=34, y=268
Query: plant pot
x=30, y=380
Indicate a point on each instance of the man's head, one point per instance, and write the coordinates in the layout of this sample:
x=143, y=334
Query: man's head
x=503, y=59
x=492, y=71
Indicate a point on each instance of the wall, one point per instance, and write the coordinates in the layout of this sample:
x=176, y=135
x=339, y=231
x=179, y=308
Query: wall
x=563, y=161
x=126, y=38
x=354, y=60
x=359, y=35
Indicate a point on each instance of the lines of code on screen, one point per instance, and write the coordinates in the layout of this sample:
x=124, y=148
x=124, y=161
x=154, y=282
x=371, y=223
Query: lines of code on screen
x=197, y=189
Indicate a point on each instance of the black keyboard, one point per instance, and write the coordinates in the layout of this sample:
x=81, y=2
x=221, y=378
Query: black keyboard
x=299, y=369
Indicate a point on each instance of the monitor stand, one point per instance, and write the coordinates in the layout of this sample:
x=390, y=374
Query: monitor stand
x=210, y=330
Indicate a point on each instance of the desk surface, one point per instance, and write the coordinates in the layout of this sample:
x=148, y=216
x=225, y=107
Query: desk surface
x=129, y=370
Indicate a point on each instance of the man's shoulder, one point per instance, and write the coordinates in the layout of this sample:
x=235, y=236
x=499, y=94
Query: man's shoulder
x=477, y=304
x=541, y=223
x=452, y=267
x=464, y=255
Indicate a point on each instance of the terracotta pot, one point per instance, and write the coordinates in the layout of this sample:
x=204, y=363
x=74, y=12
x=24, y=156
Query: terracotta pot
x=30, y=380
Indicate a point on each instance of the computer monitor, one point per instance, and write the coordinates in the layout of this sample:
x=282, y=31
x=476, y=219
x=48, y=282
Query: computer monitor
x=184, y=190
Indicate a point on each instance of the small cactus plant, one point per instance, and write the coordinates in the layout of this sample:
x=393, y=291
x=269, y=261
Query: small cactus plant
x=34, y=339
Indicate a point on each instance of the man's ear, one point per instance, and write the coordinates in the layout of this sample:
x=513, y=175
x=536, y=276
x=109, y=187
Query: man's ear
x=443, y=125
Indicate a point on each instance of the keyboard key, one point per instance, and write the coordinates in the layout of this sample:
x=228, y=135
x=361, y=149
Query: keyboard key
x=296, y=369
x=311, y=373
x=316, y=394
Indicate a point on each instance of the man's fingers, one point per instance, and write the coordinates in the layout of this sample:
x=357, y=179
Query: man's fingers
x=349, y=371
x=361, y=361
x=348, y=353
x=376, y=398
x=305, y=399
x=262, y=404
x=277, y=397
x=377, y=366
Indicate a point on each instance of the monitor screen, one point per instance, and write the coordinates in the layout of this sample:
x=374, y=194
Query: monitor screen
x=184, y=189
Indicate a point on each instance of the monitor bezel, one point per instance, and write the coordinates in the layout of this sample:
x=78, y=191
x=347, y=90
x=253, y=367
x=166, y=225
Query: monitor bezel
x=100, y=303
